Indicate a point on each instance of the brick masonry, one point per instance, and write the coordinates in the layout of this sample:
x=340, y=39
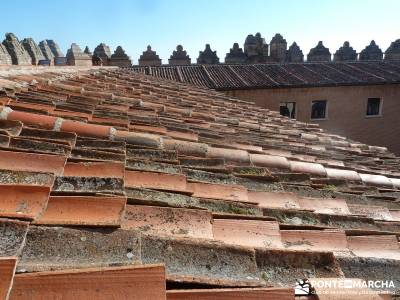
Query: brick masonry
x=346, y=109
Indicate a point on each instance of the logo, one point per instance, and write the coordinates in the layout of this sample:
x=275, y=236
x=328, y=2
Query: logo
x=303, y=287
x=342, y=286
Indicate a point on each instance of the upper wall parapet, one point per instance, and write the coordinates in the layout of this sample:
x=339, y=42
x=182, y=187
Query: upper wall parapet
x=255, y=50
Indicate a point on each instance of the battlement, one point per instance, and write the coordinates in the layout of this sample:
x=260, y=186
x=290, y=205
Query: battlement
x=255, y=50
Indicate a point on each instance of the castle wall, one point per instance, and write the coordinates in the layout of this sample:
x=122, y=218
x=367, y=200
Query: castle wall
x=346, y=112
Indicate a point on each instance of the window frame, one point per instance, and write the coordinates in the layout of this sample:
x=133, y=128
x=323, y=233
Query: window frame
x=380, y=114
x=295, y=109
x=326, y=110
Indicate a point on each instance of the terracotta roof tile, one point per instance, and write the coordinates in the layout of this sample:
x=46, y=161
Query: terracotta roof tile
x=218, y=189
x=94, y=169
x=306, y=167
x=381, y=246
x=12, y=128
x=275, y=199
x=158, y=181
x=228, y=155
x=23, y=201
x=133, y=282
x=271, y=161
x=83, y=211
x=7, y=269
x=169, y=221
x=250, y=233
x=334, y=206
x=315, y=240
x=22, y=161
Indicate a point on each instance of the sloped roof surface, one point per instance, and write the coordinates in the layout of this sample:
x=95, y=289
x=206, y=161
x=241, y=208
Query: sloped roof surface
x=250, y=76
x=105, y=174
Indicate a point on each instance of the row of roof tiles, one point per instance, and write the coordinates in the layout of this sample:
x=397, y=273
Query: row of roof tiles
x=228, y=77
x=170, y=173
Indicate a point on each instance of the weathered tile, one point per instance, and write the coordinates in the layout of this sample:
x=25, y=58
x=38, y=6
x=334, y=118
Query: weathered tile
x=88, y=185
x=206, y=261
x=283, y=267
x=12, y=236
x=51, y=248
x=8, y=177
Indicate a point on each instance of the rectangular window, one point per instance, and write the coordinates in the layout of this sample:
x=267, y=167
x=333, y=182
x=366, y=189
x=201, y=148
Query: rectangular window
x=288, y=109
x=318, y=109
x=374, y=107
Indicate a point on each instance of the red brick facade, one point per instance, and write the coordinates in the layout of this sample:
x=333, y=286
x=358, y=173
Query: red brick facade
x=346, y=110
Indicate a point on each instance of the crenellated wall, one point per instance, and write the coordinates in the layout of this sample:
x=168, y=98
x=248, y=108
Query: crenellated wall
x=255, y=50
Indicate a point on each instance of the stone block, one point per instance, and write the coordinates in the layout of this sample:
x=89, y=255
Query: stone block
x=75, y=57
x=18, y=53
x=33, y=50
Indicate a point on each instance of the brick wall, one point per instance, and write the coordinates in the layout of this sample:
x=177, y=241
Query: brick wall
x=347, y=107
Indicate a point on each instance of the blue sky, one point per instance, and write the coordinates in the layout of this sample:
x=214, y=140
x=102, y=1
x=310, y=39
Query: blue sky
x=134, y=24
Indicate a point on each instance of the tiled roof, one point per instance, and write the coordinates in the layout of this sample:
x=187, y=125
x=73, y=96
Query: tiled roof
x=107, y=176
x=251, y=76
